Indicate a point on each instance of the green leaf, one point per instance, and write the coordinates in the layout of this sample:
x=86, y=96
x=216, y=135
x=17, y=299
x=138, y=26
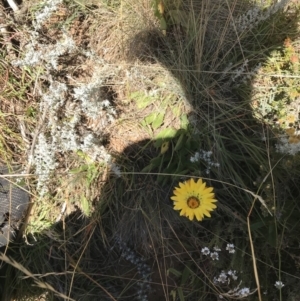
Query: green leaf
x=176, y=111
x=150, y=118
x=164, y=134
x=184, y=122
x=188, y=143
x=180, y=142
x=185, y=275
x=158, y=121
x=174, y=272
x=85, y=205
x=148, y=168
x=173, y=294
x=31, y=112
x=144, y=123
x=257, y=225
x=163, y=23
x=136, y=94
x=157, y=161
x=142, y=100
x=92, y=174
x=180, y=294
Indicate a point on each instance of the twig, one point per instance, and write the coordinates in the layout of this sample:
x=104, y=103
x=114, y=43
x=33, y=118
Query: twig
x=13, y=5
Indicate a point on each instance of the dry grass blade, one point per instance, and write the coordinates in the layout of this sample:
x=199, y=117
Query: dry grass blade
x=76, y=269
x=253, y=252
x=39, y=283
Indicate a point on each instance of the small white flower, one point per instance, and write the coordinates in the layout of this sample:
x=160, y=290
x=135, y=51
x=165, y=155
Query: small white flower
x=115, y=169
x=230, y=248
x=205, y=156
x=205, y=251
x=195, y=158
x=222, y=277
x=214, y=255
x=232, y=274
x=244, y=292
x=279, y=285
x=217, y=249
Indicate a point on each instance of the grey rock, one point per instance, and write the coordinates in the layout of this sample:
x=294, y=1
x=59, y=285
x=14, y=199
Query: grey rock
x=13, y=204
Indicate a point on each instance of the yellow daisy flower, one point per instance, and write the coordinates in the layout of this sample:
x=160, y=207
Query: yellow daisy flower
x=194, y=199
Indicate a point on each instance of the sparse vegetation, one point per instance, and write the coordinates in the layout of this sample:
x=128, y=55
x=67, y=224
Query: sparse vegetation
x=107, y=106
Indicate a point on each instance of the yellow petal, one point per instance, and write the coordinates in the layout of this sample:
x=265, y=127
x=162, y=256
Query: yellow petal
x=208, y=190
x=199, y=182
x=182, y=213
x=209, y=207
x=177, y=192
x=177, y=206
x=181, y=185
x=209, y=196
x=194, y=185
x=199, y=216
x=191, y=215
x=206, y=213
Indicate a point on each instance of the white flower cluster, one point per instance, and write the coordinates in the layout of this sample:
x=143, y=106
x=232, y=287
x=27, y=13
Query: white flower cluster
x=64, y=132
x=206, y=157
x=54, y=97
x=63, y=108
x=255, y=15
x=238, y=293
x=45, y=162
x=243, y=292
x=240, y=74
x=36, y=53
x=213, y=255
x=142, y=268
x=254, y=71
x=240, y=71
x=63, y=141
x=285, y=147
x=230, y=248
x=92, y=102
x=232, y=274
x=64, y=136
x=49, y=7
x=224, y=277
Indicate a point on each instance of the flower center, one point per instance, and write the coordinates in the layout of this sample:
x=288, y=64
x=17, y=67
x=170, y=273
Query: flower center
x=193, y=202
